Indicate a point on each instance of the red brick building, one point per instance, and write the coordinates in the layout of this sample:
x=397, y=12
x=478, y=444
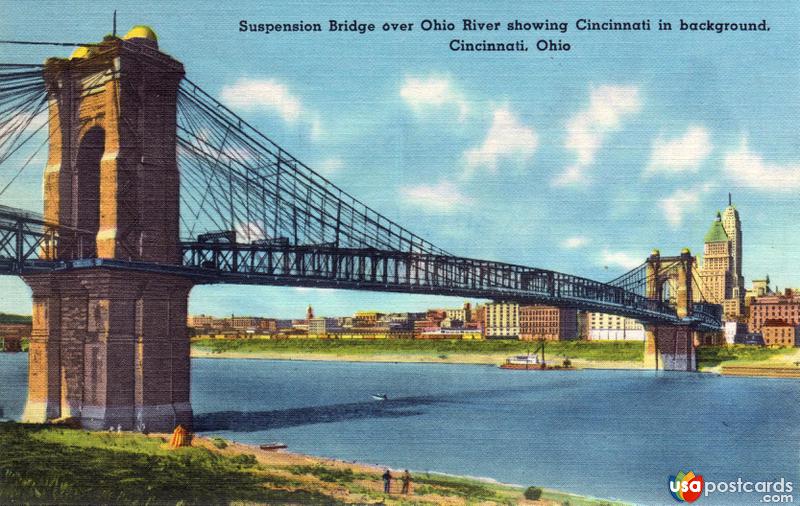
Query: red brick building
x=425, y=326
x=774, y=307
x=778, y=333
x=545, y=322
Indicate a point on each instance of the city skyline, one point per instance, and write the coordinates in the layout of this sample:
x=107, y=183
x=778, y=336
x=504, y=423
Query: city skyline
x=584, y=171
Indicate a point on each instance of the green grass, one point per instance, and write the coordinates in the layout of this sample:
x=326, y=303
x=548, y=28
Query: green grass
x=46, y=465
x=14, y=318
x=329, y=474
x=447, y=485
x=474, y=490
x=712, y=356
x=588, y=350
x=42, y=464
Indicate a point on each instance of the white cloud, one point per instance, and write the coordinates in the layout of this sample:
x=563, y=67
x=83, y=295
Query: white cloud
x=749, y=169
x=684, y=154
x=678, y=204
x=441, y=197
x=433, y=92
x=271, y=96
x=620, y=259
x=571, y=175
x=507, y=139
x=316, y=291
x=25, y=122
x=586, y=130
x=574, y=242
x=316, y=128
x=249, y=231
x=330, y=166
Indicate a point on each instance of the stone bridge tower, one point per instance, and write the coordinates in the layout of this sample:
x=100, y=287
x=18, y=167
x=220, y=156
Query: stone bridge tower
x=670, y=347
x=109, y=346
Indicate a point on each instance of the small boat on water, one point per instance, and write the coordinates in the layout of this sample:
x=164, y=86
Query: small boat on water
x=523, y=362
x=380, y=397
x=273, y=446
x=534, y=362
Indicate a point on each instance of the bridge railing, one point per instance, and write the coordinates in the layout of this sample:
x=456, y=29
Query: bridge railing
x=28, y=244
x=707, y=313
x=27, y=240
x=328, y=266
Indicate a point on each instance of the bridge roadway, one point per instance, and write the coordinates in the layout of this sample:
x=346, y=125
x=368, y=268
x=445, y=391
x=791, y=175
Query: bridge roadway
x=24, y=235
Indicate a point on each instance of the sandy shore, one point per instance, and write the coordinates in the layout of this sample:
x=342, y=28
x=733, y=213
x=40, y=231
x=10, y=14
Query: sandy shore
x=368, y=480
x=494, y=359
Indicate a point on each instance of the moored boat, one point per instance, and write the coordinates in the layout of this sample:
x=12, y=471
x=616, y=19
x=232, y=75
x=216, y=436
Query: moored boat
x=273, y=446
x=523, y=362
x=534, y=363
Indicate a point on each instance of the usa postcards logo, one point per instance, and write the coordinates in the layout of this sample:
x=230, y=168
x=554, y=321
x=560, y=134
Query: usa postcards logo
x=686, y=486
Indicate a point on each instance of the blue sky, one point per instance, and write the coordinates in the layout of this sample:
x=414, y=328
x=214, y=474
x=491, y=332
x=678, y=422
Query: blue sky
x=578, y=161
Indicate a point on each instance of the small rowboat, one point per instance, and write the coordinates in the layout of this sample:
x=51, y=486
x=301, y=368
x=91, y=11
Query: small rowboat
x=273, y=446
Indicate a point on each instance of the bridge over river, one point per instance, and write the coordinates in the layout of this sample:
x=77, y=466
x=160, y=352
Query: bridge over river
x=152, y=186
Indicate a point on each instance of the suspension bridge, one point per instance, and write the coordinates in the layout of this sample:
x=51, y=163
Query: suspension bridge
x=152, y=186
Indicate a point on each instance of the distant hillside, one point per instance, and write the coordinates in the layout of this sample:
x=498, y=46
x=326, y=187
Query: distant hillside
x=14, y=318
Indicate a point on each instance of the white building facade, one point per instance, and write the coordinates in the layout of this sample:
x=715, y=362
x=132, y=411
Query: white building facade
x=609, y=327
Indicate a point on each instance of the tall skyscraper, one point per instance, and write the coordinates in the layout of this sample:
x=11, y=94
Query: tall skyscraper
x=721, y=271
x=733, y=227
x=717, y=261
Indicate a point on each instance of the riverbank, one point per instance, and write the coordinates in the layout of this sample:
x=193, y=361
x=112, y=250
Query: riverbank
x=744, y=360
x=49, y=464
x=765, y=372
x=582, y=354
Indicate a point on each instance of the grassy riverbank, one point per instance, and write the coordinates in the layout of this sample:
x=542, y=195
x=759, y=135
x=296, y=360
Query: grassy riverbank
x=46, y=464
x=581, y=353
x=586, y=354
x=713, y=358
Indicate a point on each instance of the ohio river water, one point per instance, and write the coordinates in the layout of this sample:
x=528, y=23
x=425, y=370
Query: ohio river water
x=610, y=434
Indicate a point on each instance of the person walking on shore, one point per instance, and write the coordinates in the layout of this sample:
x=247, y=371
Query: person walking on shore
x=387, y=482
x=406, y=482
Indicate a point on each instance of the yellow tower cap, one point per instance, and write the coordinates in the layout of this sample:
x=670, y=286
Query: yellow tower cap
x=141, y=32
x=81, y=52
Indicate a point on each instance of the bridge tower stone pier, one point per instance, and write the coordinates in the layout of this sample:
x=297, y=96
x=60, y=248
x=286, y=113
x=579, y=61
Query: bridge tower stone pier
x=109, y=346
x=670, y=347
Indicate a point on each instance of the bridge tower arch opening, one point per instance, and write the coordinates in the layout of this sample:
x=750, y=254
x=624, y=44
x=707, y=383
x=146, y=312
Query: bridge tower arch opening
x=87, y=194
x=109, y=346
